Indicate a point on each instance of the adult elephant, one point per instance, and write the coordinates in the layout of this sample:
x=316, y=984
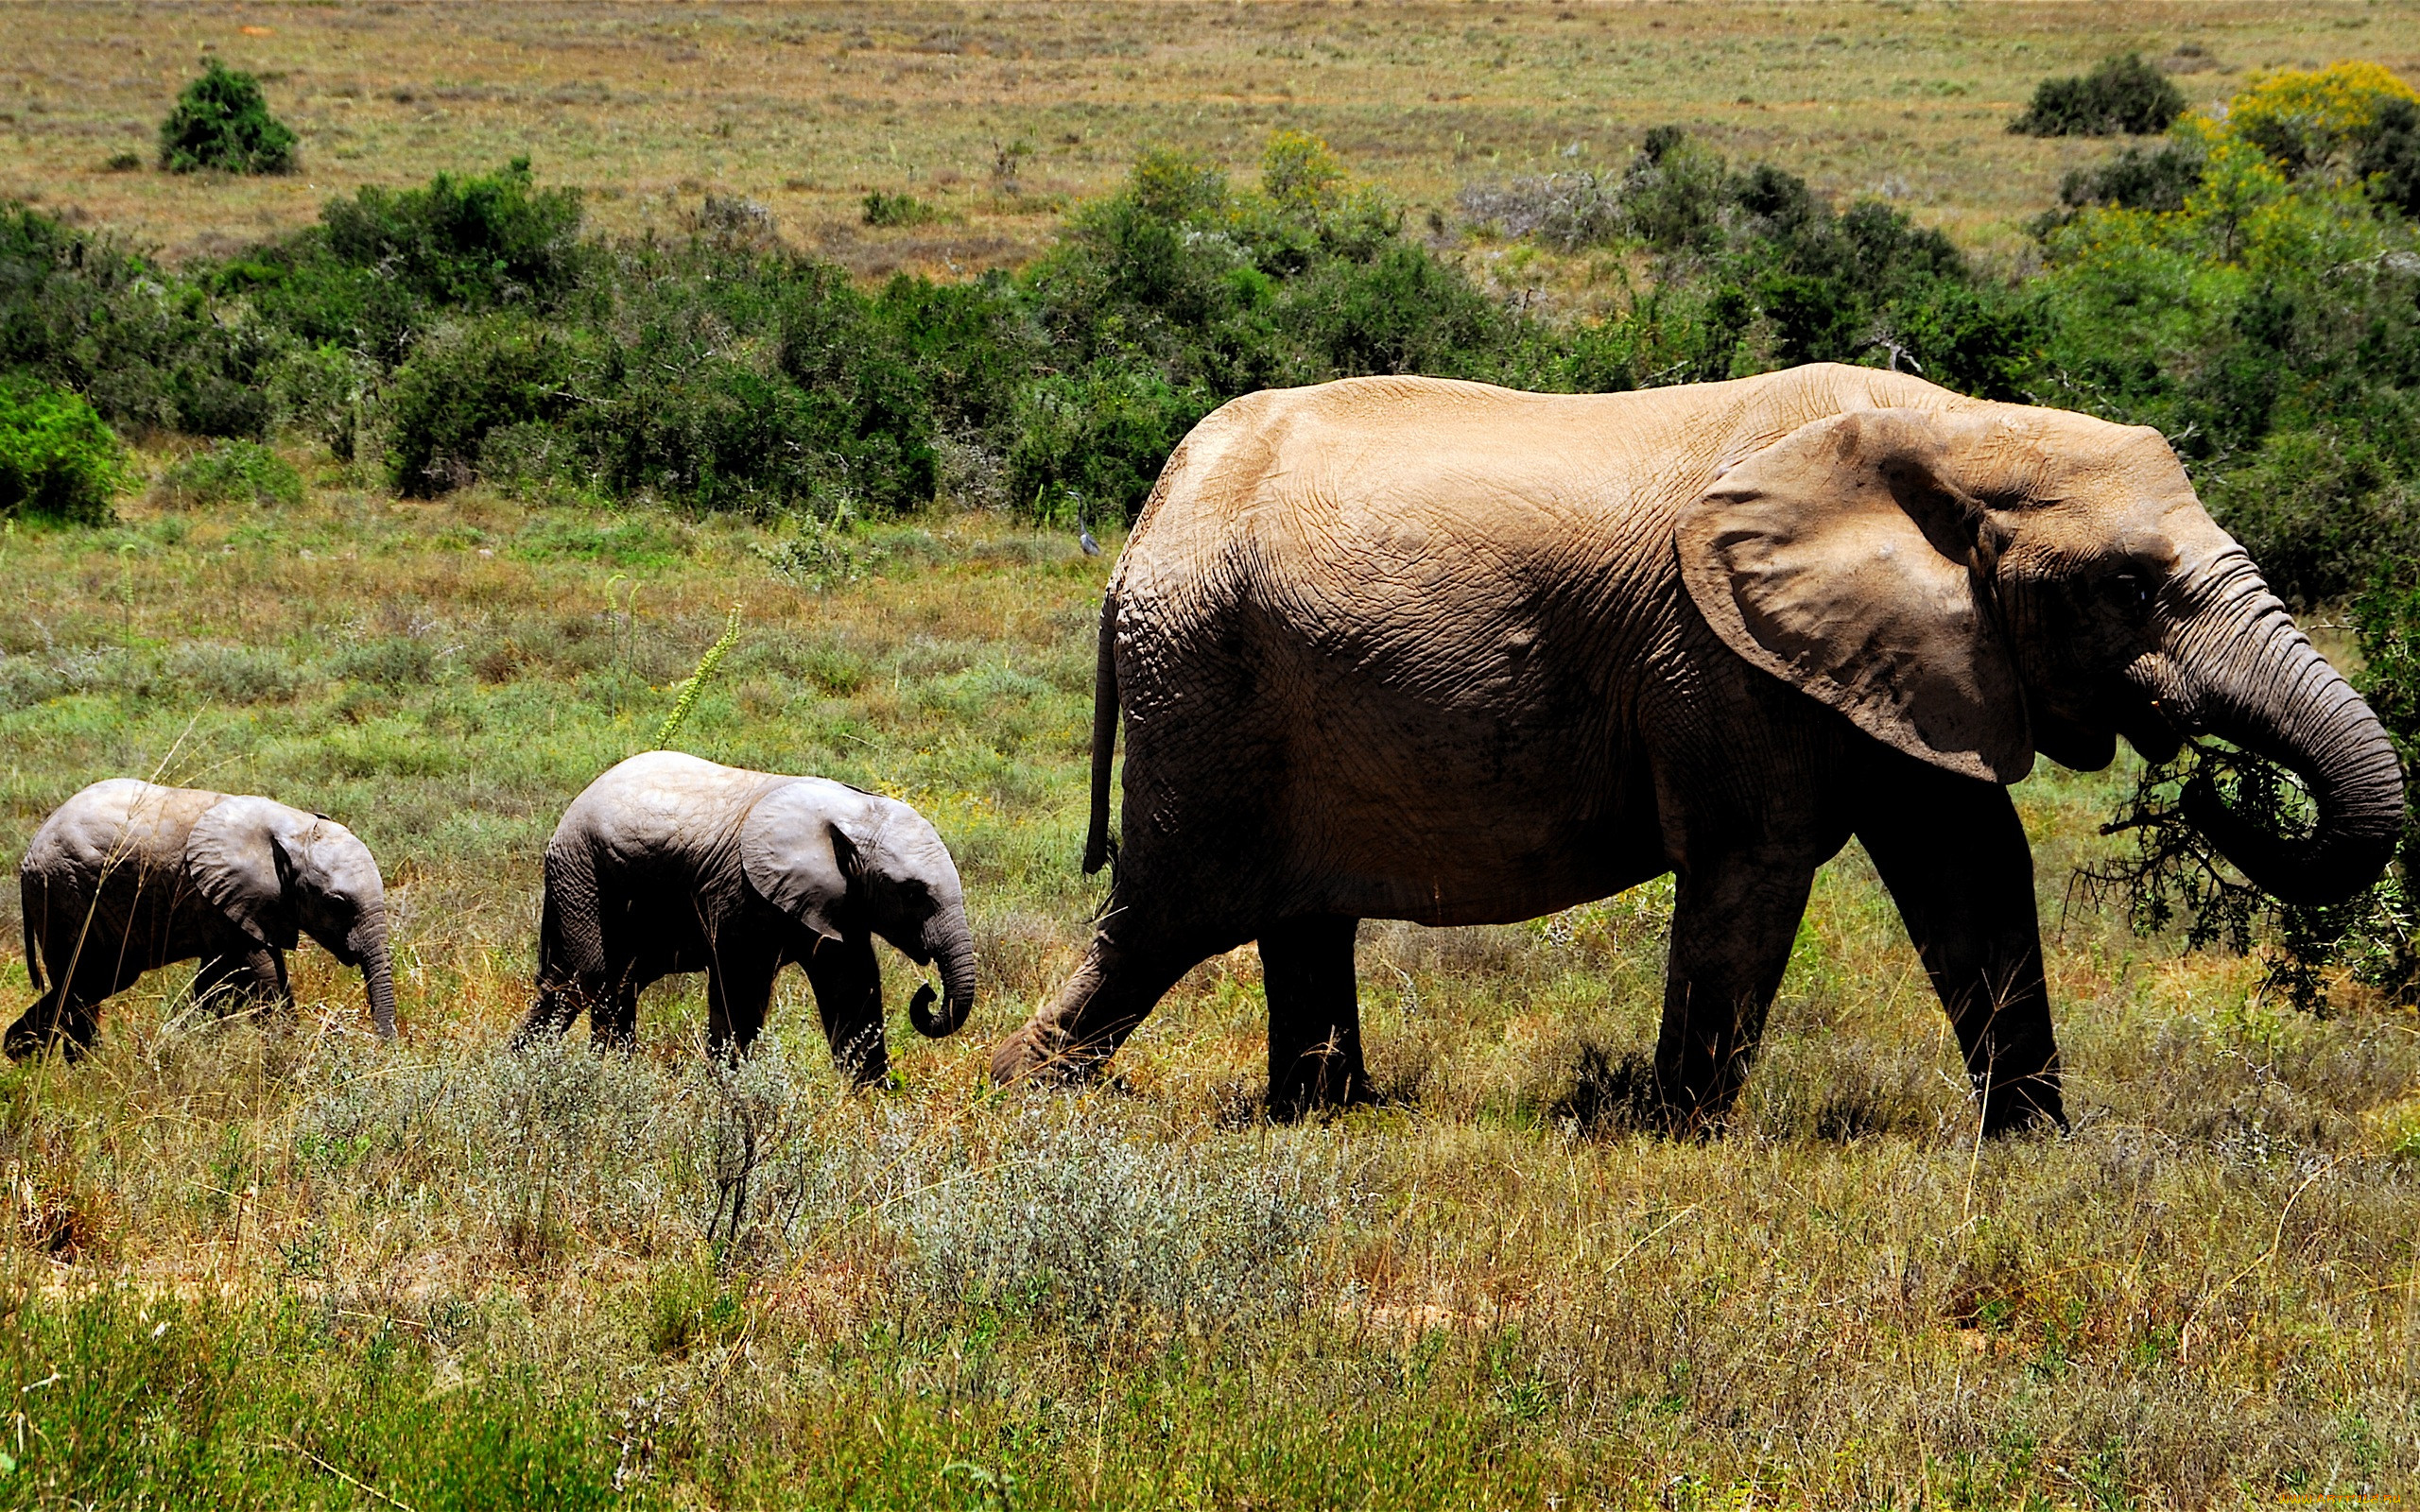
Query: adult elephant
x=126, y=876
x=1407, y=648
x=669, y=863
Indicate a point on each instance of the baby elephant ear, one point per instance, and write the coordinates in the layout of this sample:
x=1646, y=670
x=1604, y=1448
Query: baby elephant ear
x=793, y=857
x=1845, y=560
x=234, y=858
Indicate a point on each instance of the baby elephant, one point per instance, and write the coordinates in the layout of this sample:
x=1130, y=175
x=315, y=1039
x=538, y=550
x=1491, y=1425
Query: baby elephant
x=672, y=864
x=126, y=876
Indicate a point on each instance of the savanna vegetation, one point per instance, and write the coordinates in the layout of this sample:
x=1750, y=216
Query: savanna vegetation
x=419, y=510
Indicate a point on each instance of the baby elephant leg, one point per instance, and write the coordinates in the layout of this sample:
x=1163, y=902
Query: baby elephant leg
x=47, y=1022
x=245, y=980
x=848, y=996
x=67, y=1014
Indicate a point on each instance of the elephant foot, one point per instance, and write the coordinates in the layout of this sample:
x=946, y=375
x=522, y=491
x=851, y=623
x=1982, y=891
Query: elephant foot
x=1042, y=1058
x=2024, y=1110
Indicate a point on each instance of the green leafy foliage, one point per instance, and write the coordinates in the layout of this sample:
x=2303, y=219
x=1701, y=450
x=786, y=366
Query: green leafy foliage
x=382, y=267
x=221, y=122
x=143, y=347
x=235, y=472
x=2124, y=95
x=57, y=458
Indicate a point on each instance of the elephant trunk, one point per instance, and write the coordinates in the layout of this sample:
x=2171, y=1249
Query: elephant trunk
x=368, y=945
x=2251, y=678
x=951, y=941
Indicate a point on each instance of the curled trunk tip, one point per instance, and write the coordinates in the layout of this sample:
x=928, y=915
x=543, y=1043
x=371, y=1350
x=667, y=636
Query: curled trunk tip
x=955, y=953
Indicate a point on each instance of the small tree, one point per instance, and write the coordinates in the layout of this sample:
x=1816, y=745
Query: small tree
x=2124, y=95
x=222, y=122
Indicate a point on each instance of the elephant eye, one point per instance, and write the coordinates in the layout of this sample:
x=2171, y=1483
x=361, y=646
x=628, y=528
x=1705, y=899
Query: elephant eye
x=2130, y=592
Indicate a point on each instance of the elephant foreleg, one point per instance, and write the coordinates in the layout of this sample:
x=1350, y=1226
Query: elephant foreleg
x=1734, y=921
x=848, y=996
x=1953, y=855
x=244, y=980
x=1314, y=1016
x=739, y=987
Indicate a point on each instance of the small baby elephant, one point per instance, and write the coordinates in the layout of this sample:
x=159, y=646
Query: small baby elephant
x=126, y=876
x=669, y=863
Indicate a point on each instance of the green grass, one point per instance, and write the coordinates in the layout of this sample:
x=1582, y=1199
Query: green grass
x=468, y=1278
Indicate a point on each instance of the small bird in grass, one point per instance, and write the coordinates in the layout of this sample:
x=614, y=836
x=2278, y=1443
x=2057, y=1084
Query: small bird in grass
x=1084, y=539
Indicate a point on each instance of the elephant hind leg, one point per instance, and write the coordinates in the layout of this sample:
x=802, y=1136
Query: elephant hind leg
x=68, y=1014
x=52, y=1020
x=1314, y=1016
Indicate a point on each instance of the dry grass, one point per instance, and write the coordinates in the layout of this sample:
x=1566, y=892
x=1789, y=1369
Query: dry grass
x=806, y=109
x=1141, y=1295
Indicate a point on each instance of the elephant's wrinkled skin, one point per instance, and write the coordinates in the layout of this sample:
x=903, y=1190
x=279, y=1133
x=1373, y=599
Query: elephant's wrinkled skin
x=670, y=864
x=1409, y=648
x=126, y=876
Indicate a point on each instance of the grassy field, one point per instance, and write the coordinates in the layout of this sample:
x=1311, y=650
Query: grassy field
x=269, y=1269
x=808, y=109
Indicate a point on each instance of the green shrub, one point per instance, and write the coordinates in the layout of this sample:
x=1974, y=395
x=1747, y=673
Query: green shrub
x=2122, y=95
x=145, y=347
x=2387, y=159
x=384, y=265
x=898, y=210
x=2138, y=179
x=57, y=458
x=233, y=472
x=1089, y=446
x=504, y=370
x=222, y=122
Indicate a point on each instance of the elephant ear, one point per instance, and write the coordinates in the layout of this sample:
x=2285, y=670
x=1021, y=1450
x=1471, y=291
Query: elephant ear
x=235, y=858
x=1845, y=560
x=794, y=857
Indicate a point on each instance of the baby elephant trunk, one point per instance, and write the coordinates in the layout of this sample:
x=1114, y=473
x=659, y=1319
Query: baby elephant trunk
x=366, y=944
x=951, y=942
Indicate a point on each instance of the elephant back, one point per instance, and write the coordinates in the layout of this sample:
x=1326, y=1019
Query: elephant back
x=117, y=826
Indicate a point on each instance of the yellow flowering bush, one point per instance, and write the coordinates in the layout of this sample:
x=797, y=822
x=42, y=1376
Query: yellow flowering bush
x=2314, y=118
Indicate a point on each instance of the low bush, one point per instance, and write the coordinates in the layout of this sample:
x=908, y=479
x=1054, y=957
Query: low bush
x=2138, y=179
x=57, y=458
x=233, y=472
x=2123, y=95
x=898, y=210
x=383, y=267
x=222, y=122
x=502, y=371
x=145, y=347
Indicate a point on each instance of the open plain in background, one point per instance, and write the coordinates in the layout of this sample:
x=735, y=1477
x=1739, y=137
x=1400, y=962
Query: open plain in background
x=807, y=109
x=270, y=1270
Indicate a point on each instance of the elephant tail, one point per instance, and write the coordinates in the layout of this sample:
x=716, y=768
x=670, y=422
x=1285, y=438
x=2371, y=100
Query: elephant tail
x=31, y=927
x=1099, y=849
